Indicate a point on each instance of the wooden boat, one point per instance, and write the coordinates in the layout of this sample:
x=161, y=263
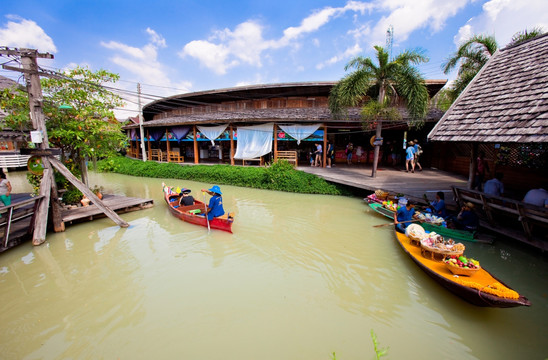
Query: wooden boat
x=189, y=213
x=481, y=289
x=455, y=234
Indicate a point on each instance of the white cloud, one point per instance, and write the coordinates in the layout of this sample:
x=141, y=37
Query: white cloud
x=25, y=33
x=226, y=49
x=350, y=52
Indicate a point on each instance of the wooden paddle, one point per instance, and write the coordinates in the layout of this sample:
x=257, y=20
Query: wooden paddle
x=400, y=222
x=207, y=219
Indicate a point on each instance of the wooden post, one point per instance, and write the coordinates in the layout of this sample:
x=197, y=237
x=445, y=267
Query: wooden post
x=167, y=144
x=86, y=191
x=324, y=152
x=196, y=152
x=275, y=142
x=149, y=145
x=377, y=149
x=231, y=146
x=472, y=169
x=58, y=224
x=41, y=221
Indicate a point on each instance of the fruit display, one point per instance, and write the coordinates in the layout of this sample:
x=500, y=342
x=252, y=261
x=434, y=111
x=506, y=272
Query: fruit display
x=432, y=219
x=461, y=265
x=436, y=243
x=390, y=205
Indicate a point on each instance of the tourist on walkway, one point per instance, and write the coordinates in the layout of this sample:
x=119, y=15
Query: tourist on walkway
x=348, y=152
x=481, y=169
x=537, y=197
x=319, y=153
x=215, y=207
x=330, y=154
x=404, y=215
x=359, y=153
x=410, y=157
x=494, y=186
x=5, y=189
x=418, y=152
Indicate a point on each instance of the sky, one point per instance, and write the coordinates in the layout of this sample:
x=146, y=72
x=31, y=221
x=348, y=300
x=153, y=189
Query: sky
x=174, y=47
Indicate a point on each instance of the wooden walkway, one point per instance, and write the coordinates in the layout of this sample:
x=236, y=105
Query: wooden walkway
x=119, y=204
x=413, y=185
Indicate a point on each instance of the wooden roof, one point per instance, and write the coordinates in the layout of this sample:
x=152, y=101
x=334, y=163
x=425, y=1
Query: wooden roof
x=506, y=102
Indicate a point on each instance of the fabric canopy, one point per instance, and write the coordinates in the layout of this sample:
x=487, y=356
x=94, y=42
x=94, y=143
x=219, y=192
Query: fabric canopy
x=254, y=141
x=180, y=132
x=156, y=134
x=212, y=132
x=299, y=132
x=133, y=134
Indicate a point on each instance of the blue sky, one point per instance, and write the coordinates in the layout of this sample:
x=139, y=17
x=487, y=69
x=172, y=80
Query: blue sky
x=173, y=47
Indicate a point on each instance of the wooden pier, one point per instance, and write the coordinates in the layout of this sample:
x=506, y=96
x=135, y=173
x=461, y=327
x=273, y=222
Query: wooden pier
x=17, y=220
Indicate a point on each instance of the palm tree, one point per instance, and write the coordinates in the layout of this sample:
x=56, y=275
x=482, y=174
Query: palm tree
x=392, y=79
x=470, y=56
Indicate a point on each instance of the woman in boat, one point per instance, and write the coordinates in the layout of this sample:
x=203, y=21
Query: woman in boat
x=186, y=199
x=215, y=207
x=404, y=216
x=438, y=206
x=467, y=219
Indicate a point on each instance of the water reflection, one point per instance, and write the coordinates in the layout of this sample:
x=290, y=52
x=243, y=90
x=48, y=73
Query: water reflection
x=302, y=276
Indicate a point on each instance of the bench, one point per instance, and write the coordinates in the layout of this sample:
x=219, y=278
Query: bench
x=175, y=156
x=259, y=159
x=289, y=156
x=493, y=207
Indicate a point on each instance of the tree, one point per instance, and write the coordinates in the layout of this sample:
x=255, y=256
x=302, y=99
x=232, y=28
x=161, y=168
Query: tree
x=470, y=57
x=87, y=127
x=388, y=80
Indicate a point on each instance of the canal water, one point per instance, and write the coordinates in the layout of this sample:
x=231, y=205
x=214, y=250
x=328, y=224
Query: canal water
x=302, y=277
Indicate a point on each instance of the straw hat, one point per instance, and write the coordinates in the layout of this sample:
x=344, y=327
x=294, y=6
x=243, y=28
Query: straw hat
x=469, y=205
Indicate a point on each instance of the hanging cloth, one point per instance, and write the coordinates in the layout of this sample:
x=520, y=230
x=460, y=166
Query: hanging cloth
x=133, y=134
x=180, y=132
x=254, y=141
x=156, y=133
x=299, y=132
x=212, y=132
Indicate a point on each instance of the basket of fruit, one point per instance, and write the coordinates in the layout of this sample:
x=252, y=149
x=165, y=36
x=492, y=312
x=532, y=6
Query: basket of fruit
x=461, y=265
x=381, y=195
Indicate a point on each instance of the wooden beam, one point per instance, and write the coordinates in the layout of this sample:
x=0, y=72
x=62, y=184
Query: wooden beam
x=168, y=148
x=86, y=191
x=231, y=146
x=41, y=218
x=324, y=152
x=275, y=142
x=196, y=150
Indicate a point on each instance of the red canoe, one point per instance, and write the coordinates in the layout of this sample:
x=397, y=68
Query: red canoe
x=187, y=214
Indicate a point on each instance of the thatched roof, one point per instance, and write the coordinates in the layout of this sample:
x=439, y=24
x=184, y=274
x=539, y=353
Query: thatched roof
x=507, y=101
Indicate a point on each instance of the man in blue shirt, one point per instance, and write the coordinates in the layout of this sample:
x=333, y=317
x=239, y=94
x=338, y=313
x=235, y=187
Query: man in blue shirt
x=494, y=186
x=215, y=207
x=404, y=214
x=410, y=157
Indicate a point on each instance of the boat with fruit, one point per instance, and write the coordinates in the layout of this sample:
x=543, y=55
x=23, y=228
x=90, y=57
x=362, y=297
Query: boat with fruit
x=191, y=213
x=388, y=210
x=471, y=282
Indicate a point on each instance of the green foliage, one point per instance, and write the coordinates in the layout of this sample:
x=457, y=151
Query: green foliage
x=526, y=34
x=378, y=351
x=279, y=176
x=72, y=196
x=34, y=181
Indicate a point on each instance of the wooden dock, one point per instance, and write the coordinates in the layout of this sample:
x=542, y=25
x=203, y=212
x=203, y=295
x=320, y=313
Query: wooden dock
x=119, y=204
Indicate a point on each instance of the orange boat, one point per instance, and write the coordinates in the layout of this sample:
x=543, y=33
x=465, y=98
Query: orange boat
x=481, y=289
x=190, y=213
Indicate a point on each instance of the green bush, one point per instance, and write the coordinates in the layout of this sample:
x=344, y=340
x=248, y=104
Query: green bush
x=72, y=196
x=279, y=176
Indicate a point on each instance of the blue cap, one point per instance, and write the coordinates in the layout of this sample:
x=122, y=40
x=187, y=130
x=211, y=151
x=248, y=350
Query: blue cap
x=216, y=190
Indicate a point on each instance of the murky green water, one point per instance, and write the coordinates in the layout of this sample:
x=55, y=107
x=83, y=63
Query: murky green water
x=302, y=277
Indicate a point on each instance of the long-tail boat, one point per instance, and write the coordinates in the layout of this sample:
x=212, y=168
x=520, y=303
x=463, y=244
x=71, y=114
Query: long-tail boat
x=455, y=234
x=191, y=213
x=481, y=289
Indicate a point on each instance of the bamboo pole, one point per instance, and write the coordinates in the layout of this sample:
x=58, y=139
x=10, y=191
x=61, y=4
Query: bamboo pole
x=275, y=142
x=196, y=152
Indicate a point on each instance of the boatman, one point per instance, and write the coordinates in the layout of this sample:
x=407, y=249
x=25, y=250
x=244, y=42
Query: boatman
x=215, y=207
x=404, y=216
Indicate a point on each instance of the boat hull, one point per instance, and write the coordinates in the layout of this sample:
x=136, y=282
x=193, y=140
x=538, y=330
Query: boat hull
x=183, y=213
x=456, y=284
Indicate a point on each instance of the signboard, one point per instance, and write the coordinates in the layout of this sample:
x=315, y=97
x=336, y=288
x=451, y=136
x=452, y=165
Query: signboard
x=41, y=152
x=35, y=166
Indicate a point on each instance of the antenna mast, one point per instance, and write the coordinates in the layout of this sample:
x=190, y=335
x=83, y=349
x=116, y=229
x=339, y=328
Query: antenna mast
x=389, y=40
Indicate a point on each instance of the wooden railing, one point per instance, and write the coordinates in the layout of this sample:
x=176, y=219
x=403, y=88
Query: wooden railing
x=13, y=216
x=290, y=156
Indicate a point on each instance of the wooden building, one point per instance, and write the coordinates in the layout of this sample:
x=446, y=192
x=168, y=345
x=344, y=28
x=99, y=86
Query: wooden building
x=286, y=104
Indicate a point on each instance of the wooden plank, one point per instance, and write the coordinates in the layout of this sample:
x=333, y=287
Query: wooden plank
x=41, y=217
x=115, y=202
x=86, y=191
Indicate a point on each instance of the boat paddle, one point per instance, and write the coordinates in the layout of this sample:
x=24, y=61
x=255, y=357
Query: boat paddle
x=207, y=219
x=400, y=222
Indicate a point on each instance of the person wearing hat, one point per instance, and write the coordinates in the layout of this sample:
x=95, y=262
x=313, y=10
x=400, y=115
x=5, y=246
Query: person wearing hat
x=215, y=207
x=186, y=199
x=467, y=219
x=410, y=157
x=404, y=215
x=418, y=152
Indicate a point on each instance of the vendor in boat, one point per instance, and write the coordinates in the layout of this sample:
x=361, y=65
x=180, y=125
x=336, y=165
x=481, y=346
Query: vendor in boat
x=186, y=199
x=404, y=216
x=215, y=207
x=437, y=207
x=467, y=219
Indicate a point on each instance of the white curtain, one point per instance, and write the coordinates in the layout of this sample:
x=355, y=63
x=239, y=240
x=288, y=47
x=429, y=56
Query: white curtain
x=299, y=132
x=212, y=132
x=254, y=141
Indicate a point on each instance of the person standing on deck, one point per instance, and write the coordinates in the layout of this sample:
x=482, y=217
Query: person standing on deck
x=330, y=155
x=215, y=207
x=5, y=189
x=410, y=157
x=319, y=153
x=481, y=169
x=348, y=151
x=404, y=214
x=418, y=152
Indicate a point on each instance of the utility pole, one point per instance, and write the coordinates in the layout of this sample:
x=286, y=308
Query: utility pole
x=141, y=131
x=48, y=187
